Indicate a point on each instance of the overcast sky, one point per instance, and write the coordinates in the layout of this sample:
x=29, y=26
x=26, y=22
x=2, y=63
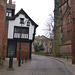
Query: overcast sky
x=38, y=10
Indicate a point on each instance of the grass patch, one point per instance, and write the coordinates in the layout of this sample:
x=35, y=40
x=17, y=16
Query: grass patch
x=44, y=54
x=64, y=56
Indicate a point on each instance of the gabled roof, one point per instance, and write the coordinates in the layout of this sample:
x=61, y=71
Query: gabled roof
x=24, y=13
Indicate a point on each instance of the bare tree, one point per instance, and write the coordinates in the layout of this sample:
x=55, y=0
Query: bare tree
x=48, y=29
x=49, y=25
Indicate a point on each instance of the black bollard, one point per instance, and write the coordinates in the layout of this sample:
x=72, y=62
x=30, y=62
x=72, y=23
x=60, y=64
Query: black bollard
x=10, y=62
x=26, y=59
x=19, y=62
x=22, y=60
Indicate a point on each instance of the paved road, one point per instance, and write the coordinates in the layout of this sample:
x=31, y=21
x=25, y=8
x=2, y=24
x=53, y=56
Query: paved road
x=39, y=65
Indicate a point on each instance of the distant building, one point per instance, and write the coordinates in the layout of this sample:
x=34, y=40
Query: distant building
x=46, y=42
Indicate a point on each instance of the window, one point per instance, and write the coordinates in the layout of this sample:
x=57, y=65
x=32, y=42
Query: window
x=50, y=45
x=67, y=24
x=46, y=43
x=69, y=28
x=28, y=23
x=41, y=43
x=61, y=34
x=69, y=35
x=38, y=43
x=61, y=14
x=21, y=32
x=21, y=20
x=8, y=15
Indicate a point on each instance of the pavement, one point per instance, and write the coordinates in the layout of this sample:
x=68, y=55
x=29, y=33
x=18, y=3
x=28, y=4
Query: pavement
x=28, y=67
x=67, y=63
x=24, y=69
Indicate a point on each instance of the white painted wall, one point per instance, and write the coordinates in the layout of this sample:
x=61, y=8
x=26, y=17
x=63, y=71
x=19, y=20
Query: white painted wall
x=16, y=22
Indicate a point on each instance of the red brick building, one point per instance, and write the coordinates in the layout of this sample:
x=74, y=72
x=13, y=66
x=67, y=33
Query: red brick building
x=2, y=26
x=7, y=11
x=10, y=12
x=65, y=25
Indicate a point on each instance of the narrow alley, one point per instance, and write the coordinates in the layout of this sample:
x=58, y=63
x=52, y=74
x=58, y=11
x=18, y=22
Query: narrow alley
x=39, y=65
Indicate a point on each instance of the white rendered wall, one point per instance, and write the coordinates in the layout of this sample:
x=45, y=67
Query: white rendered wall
x=16, y=22
x=31, y=31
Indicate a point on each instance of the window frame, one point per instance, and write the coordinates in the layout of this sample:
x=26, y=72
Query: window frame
x=24, y=35
x=21, y=20
x=69, y=28
x=8, y=15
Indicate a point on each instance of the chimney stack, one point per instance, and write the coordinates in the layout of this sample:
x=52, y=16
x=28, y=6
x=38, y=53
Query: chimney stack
x=10, y=1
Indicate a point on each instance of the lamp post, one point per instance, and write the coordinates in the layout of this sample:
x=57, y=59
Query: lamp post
x=19, y=61
x=28, y=24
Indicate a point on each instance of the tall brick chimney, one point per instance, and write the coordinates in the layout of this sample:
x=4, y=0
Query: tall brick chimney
x=10, y=1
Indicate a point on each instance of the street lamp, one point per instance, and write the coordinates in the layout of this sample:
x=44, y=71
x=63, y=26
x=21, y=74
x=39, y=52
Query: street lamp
x=19, y=61
x=28, y=24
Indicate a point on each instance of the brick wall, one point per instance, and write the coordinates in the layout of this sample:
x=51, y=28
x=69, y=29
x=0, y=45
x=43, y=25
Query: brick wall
x=66, y=49
x=5, y=38
x=2, y=24
x=25, y=48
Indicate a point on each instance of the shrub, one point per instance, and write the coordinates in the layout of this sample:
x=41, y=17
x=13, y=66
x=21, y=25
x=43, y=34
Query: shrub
x=41, y=48
x=36, y=48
